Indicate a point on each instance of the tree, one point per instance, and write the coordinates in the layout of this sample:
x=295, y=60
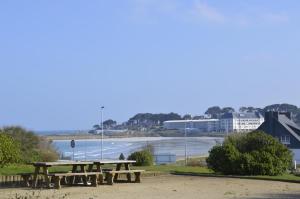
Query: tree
x=214, y=111
x=227, y=110
x=9, y=150
x=255, y=153
x=282, y=107
x=109, y=123
x=33, y=148
x=97, y=127
x=250, y=109
x=187, y=117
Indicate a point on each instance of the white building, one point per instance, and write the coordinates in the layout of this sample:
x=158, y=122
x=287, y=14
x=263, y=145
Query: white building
x=203, y=125
x=228, y=123
x=240, y=122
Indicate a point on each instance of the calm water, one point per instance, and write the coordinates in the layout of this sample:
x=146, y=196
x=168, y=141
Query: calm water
x=112, y=148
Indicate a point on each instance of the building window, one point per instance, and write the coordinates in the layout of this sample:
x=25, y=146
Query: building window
x=285, y=139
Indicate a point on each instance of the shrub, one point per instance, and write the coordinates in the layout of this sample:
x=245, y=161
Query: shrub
x=122, y=157
x=33, y=148
x=9, y=150
x=255, y=153
x=142, y=158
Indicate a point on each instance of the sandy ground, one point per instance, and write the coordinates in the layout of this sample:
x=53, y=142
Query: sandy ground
x=173, y=187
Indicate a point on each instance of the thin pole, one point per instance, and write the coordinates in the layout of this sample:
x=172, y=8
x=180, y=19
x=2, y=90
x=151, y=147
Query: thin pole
x=185, y=147
x=102, y=132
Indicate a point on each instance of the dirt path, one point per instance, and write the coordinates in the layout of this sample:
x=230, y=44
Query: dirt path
x=173, y=187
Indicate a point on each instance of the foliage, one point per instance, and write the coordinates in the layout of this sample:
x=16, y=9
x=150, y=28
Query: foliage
x=122, y=157
x=255, y=153
x=9, y=150
x=187, y=117
x=109, y=123
x=146, y=118
x=216, y=111
x=250, y=109
x=33, y=148
x=142, y=158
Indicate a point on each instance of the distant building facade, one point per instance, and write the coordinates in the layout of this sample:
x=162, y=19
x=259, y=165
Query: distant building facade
x=240, y=122
x=281, y=126
x=229, y=122
x=202, y=125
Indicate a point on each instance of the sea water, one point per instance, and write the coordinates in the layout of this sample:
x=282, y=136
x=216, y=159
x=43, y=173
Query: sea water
x=113, y=147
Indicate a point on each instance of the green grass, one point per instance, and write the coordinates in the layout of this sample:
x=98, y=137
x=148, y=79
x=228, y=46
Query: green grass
x=23, y=168
x=174, y=169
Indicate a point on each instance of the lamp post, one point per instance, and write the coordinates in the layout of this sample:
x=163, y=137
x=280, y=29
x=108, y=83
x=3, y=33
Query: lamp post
x=102, y=107
x=185, y=143
x=185, y=155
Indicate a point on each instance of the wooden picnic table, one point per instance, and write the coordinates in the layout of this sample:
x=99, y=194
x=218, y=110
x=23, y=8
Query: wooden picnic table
x=112, y=175
x=85, y=169
x=43, y=168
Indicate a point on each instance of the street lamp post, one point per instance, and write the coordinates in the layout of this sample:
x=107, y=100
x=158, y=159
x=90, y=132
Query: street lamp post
x=185, y=144
x=102, y=107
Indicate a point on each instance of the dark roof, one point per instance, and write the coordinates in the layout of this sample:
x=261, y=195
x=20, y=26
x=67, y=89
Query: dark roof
x=278, y=124
x=254, y=115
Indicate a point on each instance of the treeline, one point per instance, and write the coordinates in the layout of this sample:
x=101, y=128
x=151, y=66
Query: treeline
x=213, y=112
x=155, y=120
x=216, y=111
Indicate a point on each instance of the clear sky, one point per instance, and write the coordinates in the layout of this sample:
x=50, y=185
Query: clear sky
x=60, y=61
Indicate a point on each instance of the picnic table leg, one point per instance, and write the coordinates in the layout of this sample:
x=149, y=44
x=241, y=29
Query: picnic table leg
x=45, y=173
x=100, y=177
x=137, y=177
x=35, y=176
x=117, y=169
x=72, y=178
x=128, y=174
x=84, y=178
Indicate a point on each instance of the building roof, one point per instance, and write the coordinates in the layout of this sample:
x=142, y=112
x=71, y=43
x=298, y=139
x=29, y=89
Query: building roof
x=273, y=119
x=254, y=115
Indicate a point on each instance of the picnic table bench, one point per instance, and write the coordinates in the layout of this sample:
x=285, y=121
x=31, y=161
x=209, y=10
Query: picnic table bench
x=111, y=176
x=42, y=168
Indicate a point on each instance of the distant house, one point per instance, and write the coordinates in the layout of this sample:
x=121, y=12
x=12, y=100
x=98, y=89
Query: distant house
x=240, y=122
x=281, y=126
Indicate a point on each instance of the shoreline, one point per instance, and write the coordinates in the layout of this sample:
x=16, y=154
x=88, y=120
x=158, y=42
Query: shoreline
x=91, y=136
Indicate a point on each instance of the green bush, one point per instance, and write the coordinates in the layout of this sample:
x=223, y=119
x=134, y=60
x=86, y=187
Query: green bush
x=255, y=153
x=33, y=148
x=9, y=150
x=142, y=158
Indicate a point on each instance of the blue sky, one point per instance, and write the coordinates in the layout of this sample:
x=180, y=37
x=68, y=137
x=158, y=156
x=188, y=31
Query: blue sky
x=60, y=61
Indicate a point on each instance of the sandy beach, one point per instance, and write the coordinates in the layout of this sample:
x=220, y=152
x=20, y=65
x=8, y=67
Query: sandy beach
x=175, y=187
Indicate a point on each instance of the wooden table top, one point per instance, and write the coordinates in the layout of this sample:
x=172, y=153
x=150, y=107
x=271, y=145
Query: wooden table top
x=62, y=163
x=70, y=163
x=114, y=161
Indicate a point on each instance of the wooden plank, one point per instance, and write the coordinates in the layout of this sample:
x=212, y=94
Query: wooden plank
x=75, y=174
x=124, y=171
x=62, y=163
x=114, y=161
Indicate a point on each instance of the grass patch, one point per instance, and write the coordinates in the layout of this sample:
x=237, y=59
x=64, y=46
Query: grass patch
x=23, y=168
x=175, y=168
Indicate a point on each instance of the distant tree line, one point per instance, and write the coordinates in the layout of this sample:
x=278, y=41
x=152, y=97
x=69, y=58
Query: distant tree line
x=216, y=111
